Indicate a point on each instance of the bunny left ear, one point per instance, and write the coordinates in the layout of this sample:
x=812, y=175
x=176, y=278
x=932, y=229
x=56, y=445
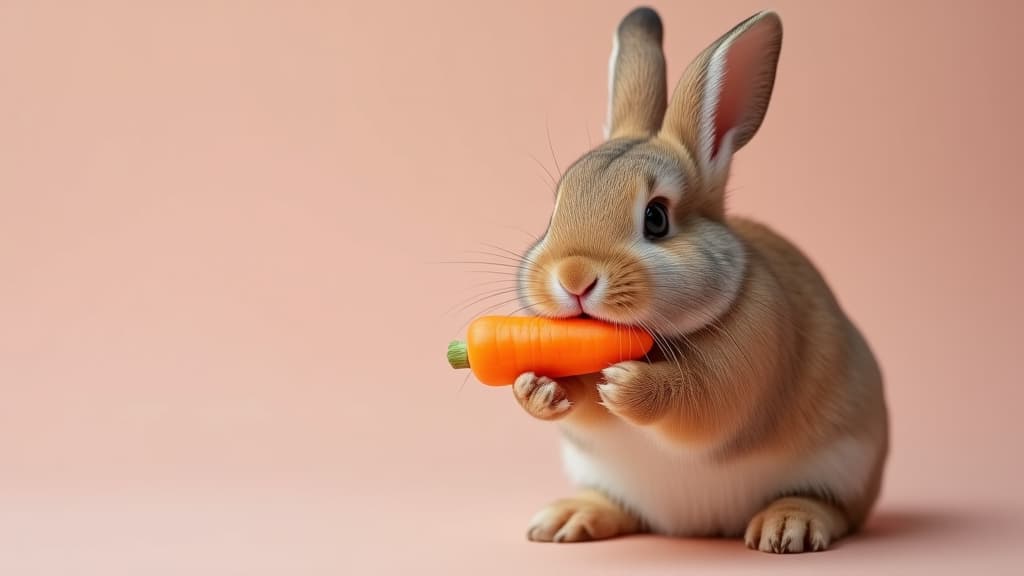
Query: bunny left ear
x=722, y=98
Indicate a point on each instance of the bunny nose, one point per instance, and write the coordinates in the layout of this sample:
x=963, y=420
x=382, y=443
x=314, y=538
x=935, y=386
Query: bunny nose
x=577, y=276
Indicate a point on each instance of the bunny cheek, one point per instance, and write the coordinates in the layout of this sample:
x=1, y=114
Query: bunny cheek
x=695, y=277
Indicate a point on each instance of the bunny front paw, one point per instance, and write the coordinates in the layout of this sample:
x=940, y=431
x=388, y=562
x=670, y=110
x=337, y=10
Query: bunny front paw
x=633, y=391
x=541, y=396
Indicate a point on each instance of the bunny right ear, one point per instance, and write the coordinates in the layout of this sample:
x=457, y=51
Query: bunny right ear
x=723, y=95
x=637, y=90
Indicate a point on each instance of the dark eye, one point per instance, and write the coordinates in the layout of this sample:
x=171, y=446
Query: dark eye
x=656, y=220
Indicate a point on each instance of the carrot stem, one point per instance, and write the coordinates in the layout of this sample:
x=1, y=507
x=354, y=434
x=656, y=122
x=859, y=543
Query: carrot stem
x=458, y=355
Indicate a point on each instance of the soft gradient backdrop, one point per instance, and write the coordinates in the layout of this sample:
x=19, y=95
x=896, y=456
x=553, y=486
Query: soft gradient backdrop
x=223, y=311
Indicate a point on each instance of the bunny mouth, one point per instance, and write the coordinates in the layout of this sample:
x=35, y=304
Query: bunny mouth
x=606, y=319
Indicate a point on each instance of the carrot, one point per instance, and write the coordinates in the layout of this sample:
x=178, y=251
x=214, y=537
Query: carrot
x=500, y=348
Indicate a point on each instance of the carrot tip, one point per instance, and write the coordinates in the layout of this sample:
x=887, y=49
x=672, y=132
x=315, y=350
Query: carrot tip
x=458, y=356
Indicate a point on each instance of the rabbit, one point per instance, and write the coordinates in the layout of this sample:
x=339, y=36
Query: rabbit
x=760, y=413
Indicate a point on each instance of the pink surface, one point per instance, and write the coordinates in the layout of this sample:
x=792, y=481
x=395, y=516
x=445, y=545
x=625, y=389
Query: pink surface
x=222, y=316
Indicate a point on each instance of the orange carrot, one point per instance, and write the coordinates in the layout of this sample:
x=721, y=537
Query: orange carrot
x=500, y=348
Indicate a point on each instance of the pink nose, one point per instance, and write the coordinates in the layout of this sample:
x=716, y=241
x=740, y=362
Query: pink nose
x=577, y=276
x=580, y=292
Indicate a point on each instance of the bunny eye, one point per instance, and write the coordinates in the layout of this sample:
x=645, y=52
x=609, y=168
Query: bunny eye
x=656, y=220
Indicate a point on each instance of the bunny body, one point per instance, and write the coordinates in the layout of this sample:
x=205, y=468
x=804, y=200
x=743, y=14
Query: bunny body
x=761, y=411
x=799, y=436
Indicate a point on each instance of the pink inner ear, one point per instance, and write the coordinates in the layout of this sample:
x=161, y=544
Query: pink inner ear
x=739, y=72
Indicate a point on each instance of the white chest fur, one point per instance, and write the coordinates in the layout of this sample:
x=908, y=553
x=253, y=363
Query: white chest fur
x=680, y=492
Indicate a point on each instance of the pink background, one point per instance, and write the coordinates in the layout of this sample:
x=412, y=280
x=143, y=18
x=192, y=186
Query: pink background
x=223, y=312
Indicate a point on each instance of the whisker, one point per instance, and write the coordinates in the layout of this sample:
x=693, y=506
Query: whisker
x=515, y=259
x=507, y=281
x=533, y=237
x=551, y=179
x=520, y=260
x=520, y=264
x=551, y=147
x=494, y=307
x=512, y=275
x=519, y=257
x=478, y=299
x=469, y=373
x=479, y=263
x=674, y=353
x=715, y=324
x=669, y=324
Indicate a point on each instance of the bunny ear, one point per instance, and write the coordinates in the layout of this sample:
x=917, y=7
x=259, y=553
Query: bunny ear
x=722, y=98
x=637, y=90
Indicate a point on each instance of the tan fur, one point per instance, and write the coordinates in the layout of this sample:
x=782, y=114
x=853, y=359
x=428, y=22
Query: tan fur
x=755, y=355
